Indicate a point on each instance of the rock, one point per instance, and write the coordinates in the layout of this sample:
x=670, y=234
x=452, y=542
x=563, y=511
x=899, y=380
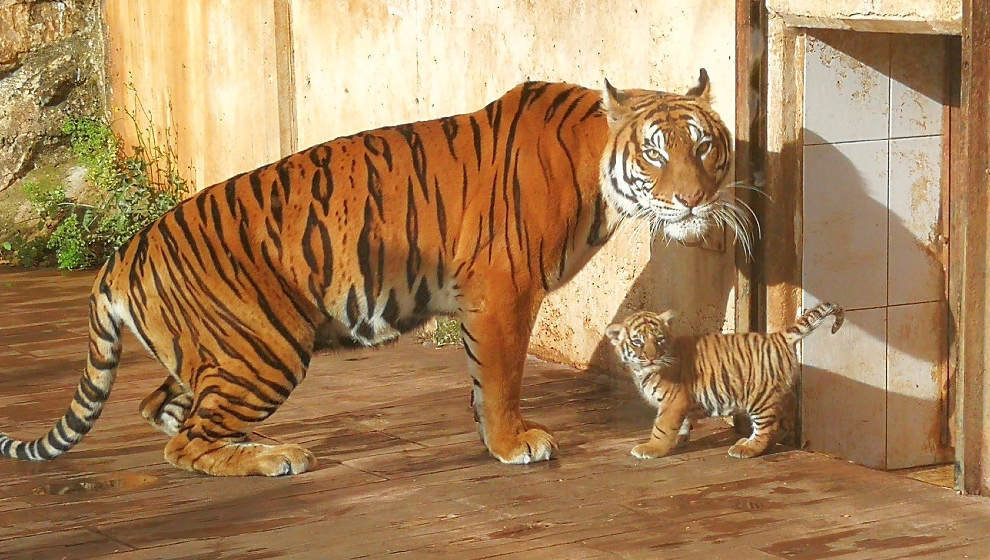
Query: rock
x=51, y=67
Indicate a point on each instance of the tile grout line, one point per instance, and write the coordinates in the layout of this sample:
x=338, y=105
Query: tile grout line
x=886, y=311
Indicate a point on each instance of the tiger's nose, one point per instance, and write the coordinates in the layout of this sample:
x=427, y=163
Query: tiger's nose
x=691, y=199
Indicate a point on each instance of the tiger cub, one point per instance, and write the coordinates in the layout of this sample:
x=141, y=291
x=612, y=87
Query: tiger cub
x=720, y=374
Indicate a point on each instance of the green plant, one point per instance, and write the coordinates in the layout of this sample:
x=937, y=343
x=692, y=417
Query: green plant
x=133, y=188
x=448, y=331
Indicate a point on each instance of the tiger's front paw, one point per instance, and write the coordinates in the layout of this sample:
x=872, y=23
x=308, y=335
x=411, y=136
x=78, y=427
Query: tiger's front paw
x=530, y=446
x=649, y=450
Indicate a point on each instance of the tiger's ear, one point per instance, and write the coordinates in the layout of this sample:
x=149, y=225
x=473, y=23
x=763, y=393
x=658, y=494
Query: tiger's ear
x=668, y=316
x=614, y=102
x=615, y=333
x=703, y=90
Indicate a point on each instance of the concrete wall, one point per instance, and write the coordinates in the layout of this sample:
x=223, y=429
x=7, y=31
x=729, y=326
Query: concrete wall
x=213, y=71
x=51, y=67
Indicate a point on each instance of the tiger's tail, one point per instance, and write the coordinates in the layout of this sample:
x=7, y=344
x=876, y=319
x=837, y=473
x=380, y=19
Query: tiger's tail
x=810, y=321
x=91, y=393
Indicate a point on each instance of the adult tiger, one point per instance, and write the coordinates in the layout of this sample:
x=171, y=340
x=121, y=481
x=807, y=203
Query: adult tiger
x=360, y=239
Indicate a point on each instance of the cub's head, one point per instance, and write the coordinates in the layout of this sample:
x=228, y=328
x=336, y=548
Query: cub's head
x=643, y=338
x=666, y=161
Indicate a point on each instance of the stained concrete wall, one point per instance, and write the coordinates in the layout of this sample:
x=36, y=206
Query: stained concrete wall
x=242, y=82
x=51, y=67
x=900, y=16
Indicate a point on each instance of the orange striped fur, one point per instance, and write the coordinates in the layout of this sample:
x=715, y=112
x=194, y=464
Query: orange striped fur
x=750, y=374
x=360, y=239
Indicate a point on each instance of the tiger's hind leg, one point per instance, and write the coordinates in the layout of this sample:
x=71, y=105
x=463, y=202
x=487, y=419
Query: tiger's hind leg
x=766, y=426
x=213, y=439
x=167, y=407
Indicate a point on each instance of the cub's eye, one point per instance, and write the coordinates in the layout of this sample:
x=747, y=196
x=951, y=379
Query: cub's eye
x=654, y=156
x=637, y=342
x=703, y=148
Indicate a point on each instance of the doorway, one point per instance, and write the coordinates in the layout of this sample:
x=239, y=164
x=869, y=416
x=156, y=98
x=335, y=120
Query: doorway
x=875, y=240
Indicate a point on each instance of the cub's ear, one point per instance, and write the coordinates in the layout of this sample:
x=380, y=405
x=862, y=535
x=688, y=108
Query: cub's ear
x=615, y=333
x=703, y=90
x=614, y=102
x=668, y=316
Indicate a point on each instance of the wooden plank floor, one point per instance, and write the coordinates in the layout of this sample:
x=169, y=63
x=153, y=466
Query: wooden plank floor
x=403, y=475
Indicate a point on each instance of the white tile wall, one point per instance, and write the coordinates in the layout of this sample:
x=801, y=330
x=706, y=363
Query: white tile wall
x=915, y=374
x=871, y=203
x=844, y=389
x=847, y=86
x=915, y=271
x=916, y=92
x=845, y=224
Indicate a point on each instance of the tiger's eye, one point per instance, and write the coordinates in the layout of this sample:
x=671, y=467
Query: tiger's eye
x=703, y=148
x=653, y=155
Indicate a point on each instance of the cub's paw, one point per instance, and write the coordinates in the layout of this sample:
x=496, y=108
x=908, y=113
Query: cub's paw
x=682, y=440
x=744, y=449
x=530, y=446
x=649, y=450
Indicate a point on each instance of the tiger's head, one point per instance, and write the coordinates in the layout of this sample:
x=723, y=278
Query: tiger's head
x=643, y=339
x=667, y=160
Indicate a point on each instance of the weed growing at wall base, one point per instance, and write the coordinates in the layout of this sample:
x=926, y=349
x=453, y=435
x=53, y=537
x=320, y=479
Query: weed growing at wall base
x=132, y=189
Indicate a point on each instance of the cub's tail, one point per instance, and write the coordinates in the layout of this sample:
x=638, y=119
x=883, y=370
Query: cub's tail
x=91, y=394
x=808, y=322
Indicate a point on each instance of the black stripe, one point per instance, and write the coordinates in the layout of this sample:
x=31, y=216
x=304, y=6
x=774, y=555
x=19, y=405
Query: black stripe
x=441, y=212
x=440, y=269
x=471, y=355
x=53, y=443
x=92, y=391
x=415, y=144
x=449, y=128
x=422, y=299
x=468, y=333
x=476, y=132
x=543, y=272
x=555, y=104
x=390, y=313
x=595, y=238
x=282, y=168
x=75, y=423
x=351, y=307
x=414, y=258
x=561, y=266
x=60, y=428
x=374, y=183
x=364, y=257
x=494, y=112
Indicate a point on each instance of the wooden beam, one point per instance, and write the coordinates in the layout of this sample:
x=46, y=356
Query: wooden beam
x=782, y=234
x=285, y=65
x=973, y=355
x=749, y=149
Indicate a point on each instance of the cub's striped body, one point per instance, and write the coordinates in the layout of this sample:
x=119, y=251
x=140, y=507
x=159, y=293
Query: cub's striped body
x=722, y=374
x=358, y=240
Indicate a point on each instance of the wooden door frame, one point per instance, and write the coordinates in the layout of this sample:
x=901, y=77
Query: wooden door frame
x=969, y=252
x=768, y=290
